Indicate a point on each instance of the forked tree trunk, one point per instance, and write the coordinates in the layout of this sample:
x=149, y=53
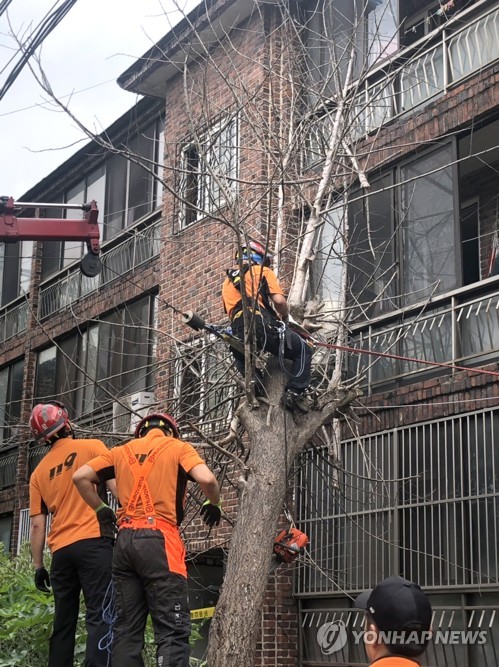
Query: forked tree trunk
x=276, y=439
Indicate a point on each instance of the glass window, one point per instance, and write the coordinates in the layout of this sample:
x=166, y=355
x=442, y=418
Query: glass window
x=73, y=250
x=114, y=357
x=25, y=269
x=96, y=189
x=52, y=250
x=90, y=342
x=5, y=531
x=45, y=374
x=371, y=260
x=209, y=168
x=109, y=355
x=114, y=217
x=160, y=159
x=327, y=271
x=11, y=388
x=140, y=186
x=429, y=245
x=10, y=285
x=66, y=372
x=383, y=23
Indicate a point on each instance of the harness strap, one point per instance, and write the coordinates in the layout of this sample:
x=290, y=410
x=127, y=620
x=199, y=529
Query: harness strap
x=263, y=292
x=140, y=474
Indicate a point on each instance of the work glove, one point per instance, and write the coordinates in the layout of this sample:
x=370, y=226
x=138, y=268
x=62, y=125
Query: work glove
x=42, y=579
x=211, y=513
x=107, y=521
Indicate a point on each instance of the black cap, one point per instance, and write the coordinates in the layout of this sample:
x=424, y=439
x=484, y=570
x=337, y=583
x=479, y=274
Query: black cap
x=396, y=604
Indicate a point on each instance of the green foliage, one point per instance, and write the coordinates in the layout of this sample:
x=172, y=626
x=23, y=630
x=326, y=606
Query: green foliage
x=26, y=616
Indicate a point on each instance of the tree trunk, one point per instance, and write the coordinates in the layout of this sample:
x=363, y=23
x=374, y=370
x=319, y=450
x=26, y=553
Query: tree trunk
x=235, y=626
x=276, y=437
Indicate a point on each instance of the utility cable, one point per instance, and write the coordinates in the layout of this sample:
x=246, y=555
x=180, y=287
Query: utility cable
x=388, y=355
x=35, y=40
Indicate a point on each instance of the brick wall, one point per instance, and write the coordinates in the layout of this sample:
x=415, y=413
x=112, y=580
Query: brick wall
x=429, y=399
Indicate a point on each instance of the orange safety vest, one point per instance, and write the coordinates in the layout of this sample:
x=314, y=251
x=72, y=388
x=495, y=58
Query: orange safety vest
x=174, y=546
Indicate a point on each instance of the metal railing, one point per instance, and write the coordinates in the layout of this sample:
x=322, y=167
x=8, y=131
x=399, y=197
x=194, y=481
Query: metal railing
x=413, y=77
x=464, y=634
x=459, y=328
x=137, y=249
x=13, y=320
x=421, y=500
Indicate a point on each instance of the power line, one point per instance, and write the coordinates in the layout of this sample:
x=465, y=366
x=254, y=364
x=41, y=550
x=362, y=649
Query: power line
x=36, y=39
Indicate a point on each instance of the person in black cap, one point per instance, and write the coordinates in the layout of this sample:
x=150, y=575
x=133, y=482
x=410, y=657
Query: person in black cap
x=398, y=622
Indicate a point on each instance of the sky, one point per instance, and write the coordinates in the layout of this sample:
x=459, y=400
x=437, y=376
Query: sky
x=82, y=58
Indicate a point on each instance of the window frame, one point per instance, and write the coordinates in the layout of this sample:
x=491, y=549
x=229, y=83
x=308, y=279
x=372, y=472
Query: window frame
x=196, y=181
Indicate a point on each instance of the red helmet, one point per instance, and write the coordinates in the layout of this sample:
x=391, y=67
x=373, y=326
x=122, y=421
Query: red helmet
x=47, y=419
x=157, y=420
x=253, y=251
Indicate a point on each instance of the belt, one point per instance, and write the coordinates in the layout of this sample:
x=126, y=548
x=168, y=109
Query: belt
x=152, y=522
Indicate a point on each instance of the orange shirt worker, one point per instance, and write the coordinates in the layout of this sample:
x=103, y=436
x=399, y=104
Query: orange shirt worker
x=149, y=571
x=80, y=545
x=268, y=311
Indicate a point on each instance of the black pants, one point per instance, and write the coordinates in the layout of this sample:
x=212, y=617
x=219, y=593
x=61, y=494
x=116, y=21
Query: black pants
x=268, y=339
x=82, y=566
x=144, y=584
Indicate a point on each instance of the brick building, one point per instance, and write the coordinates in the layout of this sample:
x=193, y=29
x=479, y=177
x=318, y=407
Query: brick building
x=417, y=491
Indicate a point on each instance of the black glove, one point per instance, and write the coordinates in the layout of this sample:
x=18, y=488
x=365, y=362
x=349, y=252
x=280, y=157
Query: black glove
x=42, y=579
x=211, y=513
x=107, y=521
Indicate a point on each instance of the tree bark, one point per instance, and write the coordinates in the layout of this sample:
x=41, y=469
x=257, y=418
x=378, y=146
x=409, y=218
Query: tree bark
x=276, y=437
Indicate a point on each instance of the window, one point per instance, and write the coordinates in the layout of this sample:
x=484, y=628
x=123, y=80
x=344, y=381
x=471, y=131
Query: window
x=327, y=269
x=114, y=357
x=15, y=270
x=330, y=26
x=11, y=387
x=429, y=257
x=91, y=187
x=131, y=189
x=203, y=383
x=404, y=241
x=372, y=265
x=124, y=192
x=421, y=500
x=59, y=254
x=209, y=168
x=5, y=531
x=382, y=29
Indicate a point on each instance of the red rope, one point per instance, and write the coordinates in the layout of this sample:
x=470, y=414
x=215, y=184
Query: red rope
x=357, y=350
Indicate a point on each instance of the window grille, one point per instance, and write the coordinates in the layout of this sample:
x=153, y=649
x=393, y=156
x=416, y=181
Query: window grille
x=422, y=501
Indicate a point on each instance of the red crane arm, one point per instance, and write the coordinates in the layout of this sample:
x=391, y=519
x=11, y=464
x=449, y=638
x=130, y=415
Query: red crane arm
x=13, y=229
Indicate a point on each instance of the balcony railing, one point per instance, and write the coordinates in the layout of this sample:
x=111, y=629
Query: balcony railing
x=413, y=77
x=128, y=255
x=13, y=320
x=459, y=328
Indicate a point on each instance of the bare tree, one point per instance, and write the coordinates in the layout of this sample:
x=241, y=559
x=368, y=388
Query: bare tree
x=298, y=120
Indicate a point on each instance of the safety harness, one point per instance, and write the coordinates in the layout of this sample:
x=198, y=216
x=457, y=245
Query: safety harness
x=235, y=276
x=173, y=544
